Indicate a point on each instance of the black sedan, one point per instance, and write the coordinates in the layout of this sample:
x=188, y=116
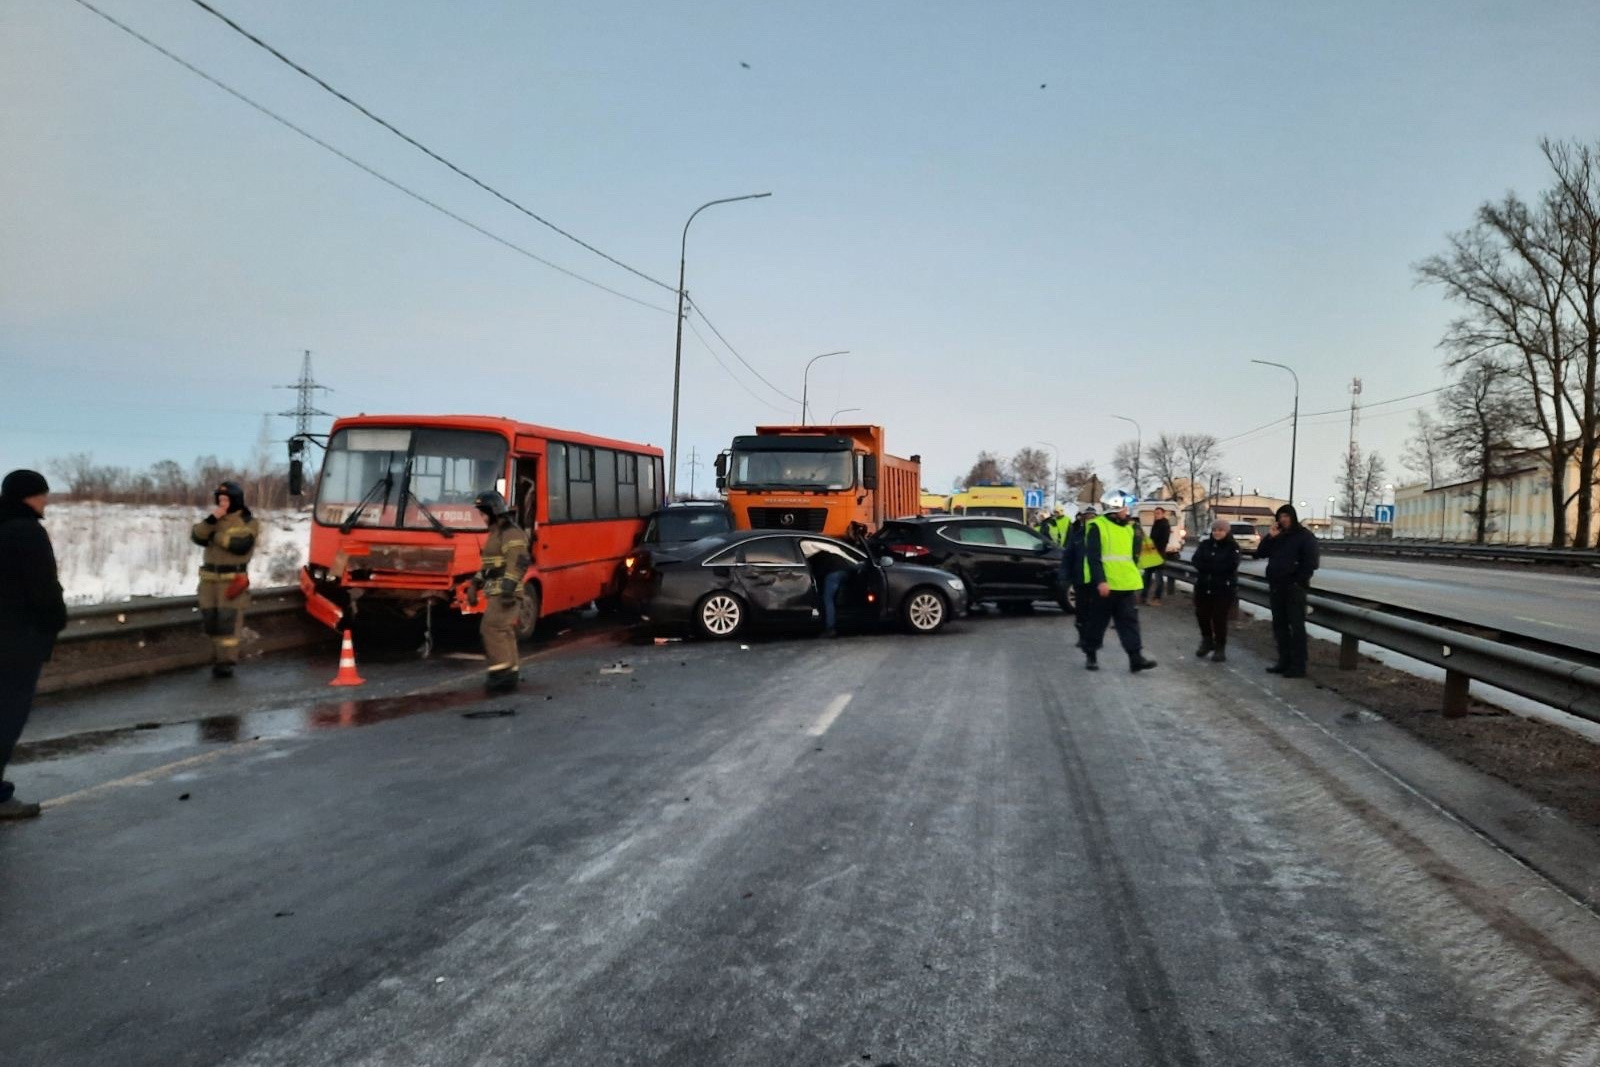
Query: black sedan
x=998, y=560
x=721, y=585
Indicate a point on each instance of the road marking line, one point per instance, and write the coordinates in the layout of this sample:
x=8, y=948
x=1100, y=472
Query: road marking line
x=149, y=775
x=1543, y=622
x=834, y=710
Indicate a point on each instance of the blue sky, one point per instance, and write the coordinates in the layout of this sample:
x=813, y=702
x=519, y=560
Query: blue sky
x=1197, y=185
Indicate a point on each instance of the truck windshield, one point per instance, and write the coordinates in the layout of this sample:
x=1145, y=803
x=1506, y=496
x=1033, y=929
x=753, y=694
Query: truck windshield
x=387, y=477
x=791, y=470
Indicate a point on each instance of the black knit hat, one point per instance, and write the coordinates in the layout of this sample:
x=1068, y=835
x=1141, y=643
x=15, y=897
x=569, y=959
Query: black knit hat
x=21, y=484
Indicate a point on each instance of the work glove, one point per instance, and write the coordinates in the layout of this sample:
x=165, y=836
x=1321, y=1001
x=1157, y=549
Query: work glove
x=472, y=595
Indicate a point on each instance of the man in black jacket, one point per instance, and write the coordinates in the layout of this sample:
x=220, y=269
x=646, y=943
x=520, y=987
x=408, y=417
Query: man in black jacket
x=1160, y=535
x=1291, y=553
x=32, y=612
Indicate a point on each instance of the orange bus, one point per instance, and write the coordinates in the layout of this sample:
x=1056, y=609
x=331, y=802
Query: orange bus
x=394, y=532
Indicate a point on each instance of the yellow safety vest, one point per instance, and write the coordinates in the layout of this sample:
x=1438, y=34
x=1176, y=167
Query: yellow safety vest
x=1116, y=556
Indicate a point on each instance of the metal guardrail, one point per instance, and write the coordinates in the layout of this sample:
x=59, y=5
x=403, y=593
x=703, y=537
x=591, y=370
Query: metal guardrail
x=1570, y=683
x=95, y=622
x=1567, y=557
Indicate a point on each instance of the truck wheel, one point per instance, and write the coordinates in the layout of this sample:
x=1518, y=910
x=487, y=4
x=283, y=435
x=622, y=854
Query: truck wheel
x=720, y=615
x=925, y=610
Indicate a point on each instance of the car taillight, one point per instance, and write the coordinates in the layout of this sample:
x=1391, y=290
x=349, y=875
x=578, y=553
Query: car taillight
x=908, y=551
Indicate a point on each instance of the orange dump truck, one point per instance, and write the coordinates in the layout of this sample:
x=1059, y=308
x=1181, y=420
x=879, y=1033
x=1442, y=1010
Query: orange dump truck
x=819, y=479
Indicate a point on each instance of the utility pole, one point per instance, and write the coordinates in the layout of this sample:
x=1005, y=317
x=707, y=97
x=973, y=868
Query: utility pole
x=694, y=465
x=306, y=390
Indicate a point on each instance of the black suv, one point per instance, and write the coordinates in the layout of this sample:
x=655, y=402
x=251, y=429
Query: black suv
x=1000, y=560
x=688, y=520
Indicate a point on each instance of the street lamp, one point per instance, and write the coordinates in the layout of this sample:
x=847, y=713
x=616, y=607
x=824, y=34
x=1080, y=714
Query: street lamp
x=835, y=416
x=1138, y=449
x=677, y=355
x=1330, y=511
x=1055, y=469
x=805, y=382
x=1294, y=435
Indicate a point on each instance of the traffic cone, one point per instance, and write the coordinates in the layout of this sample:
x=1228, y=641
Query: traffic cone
x=347, y=664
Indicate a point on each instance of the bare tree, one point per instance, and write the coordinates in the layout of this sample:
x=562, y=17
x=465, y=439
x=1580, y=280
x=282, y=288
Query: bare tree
x=1079, y=479
x=1528, y=276
x=1360, y=481
x=1030, y=467
x=1125, y=464
x=1575, y=202
x=989, y=469
x=1197, y=455
x=1163, y=459
x=1424, y=454
x=1479, y=415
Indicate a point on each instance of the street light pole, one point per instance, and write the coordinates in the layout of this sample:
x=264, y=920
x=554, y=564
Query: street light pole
x=677, y=355
x=835, y=416
x=1294, y=434
x=805, y=382
x=1138, y=450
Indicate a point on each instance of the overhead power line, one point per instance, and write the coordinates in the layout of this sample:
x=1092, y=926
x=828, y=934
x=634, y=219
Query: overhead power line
x=727, y=369
x=748, y=365
x=354, y=162
x=1341, y=412
x=419, y=146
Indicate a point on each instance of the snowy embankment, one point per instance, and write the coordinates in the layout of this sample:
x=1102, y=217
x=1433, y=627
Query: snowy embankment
x=112, y=552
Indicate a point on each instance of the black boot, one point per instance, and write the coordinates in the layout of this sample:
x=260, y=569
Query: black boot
x=501, y=681
x=1220, y=655
x=1139, y=663
x=222, y=670
x=1204, y=649
x=1090, y=662
x=1278, y=668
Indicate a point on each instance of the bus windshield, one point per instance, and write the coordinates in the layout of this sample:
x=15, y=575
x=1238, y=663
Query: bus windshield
x=791, y=470
x=394, y=477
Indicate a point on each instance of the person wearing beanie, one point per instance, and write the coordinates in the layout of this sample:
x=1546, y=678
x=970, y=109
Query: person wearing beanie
x=228, y=534
x=1291, y=554
x=32, y=613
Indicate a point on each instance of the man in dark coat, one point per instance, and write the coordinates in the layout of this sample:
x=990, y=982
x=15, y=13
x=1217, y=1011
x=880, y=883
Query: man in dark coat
x=1072, y=573
x=1291, y=553
x=1160, y=535
x=32, y=612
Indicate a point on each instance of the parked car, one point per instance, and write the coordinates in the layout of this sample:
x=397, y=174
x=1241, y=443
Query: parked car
x=998, y=560
x=721, y=585
x=1246, y=534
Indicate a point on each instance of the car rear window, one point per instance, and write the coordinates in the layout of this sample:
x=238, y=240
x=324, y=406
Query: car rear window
x=1242, y=529
x=899, y=531
x=691, y=524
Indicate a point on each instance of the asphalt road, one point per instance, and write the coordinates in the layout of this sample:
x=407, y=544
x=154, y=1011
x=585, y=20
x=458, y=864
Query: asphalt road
x=879, y=850
x=1564, y=609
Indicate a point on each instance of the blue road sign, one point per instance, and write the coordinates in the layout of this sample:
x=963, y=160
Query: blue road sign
x=1033, y=498
x=1383, y=513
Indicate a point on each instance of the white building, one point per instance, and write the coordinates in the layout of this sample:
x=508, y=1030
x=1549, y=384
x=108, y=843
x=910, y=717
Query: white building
x=1519, y=508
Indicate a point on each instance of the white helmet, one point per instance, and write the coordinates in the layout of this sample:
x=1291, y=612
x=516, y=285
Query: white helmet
x=1116, y=500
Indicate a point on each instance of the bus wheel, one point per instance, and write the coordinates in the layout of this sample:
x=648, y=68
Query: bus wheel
x=527, y=612
x=720, y=615
x=925, y=610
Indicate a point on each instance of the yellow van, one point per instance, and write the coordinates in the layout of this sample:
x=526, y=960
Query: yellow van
x=1002, y=501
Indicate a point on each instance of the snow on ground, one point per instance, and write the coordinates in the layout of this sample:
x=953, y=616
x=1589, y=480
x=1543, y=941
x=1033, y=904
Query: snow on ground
x=111, y=552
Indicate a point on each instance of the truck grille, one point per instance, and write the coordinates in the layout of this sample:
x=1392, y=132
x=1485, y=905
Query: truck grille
x=802, y=520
